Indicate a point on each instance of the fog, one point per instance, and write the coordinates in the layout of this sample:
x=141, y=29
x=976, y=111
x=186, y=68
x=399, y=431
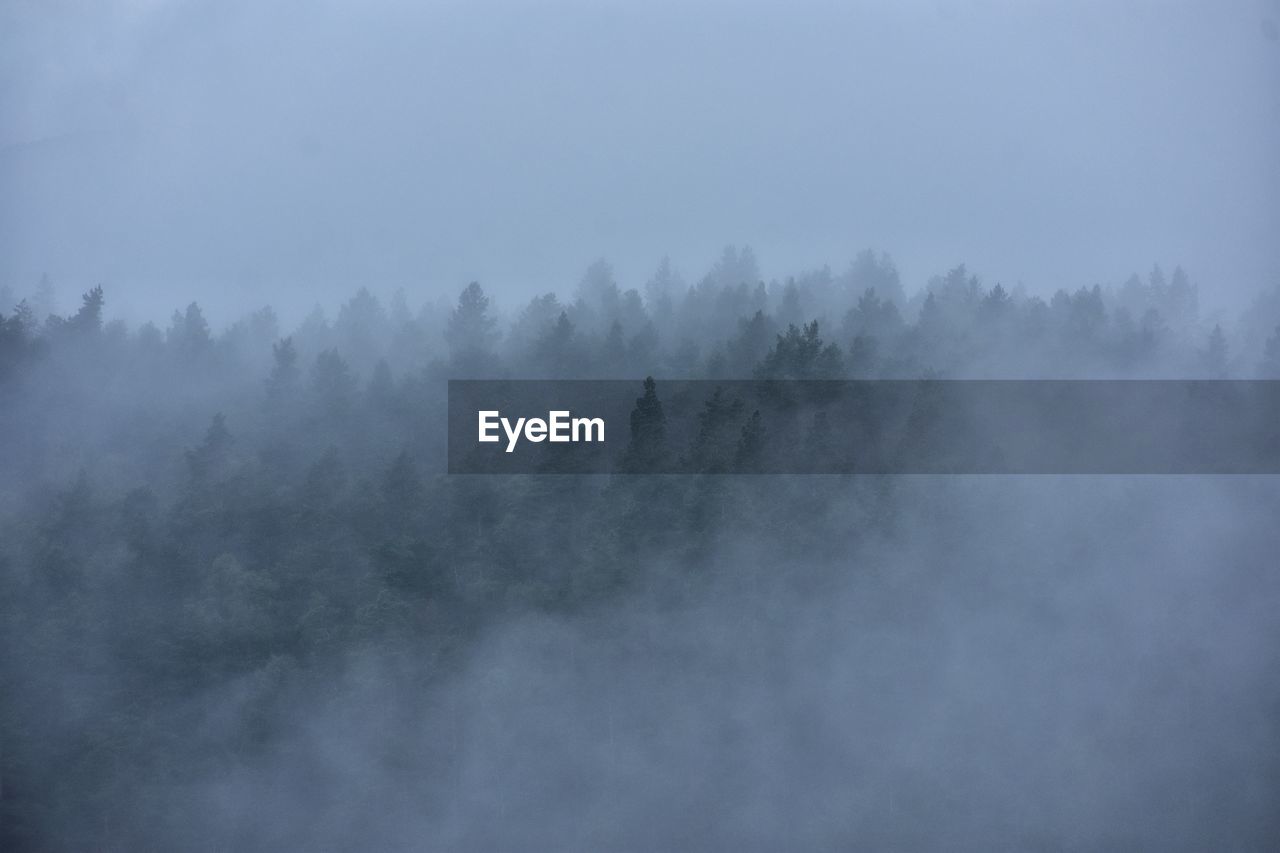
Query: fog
x=244, y=607
x=289, y=152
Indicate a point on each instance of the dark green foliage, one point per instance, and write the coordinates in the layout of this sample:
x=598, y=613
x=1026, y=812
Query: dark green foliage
x=210, y=458
x=283, y=381
x=381, y=392
x=746, y=458
x=647, y=449
x=862, y=357
x=719, y=430
x=15, y=340
x=88, y=320
x=870, y=272
x=800, y=354
x=873, y=316
x=1214, y=357
x=750, y=346
x=189, y=334
x=1269, y=367
x=471, y=330
x=555, y=350
x=332, y=382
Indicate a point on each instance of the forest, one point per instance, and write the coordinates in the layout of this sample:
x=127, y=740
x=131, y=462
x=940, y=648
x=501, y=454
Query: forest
x=243, y=607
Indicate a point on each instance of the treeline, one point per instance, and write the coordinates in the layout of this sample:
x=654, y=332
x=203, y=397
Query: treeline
x=726, y=325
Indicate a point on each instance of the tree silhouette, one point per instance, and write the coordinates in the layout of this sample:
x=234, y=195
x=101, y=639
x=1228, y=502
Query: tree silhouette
x=189, y=334
x=210, y=458
x=284, y=378
x=471, y=329
x=647, y=448
x=1214, y=357
x=332, y=382
x=1269, y=367
x=88, y=320
x=800, y=354
x=749, y=454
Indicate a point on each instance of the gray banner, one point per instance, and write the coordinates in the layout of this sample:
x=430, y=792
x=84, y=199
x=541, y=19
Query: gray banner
x=864, y=427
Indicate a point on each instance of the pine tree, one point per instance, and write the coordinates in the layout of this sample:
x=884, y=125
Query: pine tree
x=718, y=431
x=862, y=356
x=1214, y=357
x=750, y=346
x=1158, y=286
x=207, y=460
x=398, y=310
x=361, y=328
x=45, y=300
x=14, y=342
x=382, y=389
x=88, y=320
x=660, y=293
x=189, y=333
x=1269, y=367
x=800, y=354
x=402, y=487
x=555, y=348
x=283, y=382
x=930, y=324
x=323, y=484
x=614, y=353
x=750, y=451
x=598, y=298
x=871, y=273
x=873, y=315
x=1184, y=297
x=817, y=442
x=995, y=305
x=470, y=332
x=332, y=382
x=25, y=315
x=647, y=449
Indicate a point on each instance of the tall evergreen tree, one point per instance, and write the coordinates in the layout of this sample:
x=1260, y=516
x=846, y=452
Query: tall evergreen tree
x=189, y=333
x=332, y=382
x=1214, y=356
x=88, y=320
x=800, y=354
x=471, y=330
x=210, y=458
x=1269, y=367
x=750, y=451
x=284, y=378
x=647, y=448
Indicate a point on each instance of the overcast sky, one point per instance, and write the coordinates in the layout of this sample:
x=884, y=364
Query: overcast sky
x=290, y=152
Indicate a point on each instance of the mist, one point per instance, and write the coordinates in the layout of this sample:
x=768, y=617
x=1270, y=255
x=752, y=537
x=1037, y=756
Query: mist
x=175, y=151
x=245, y=248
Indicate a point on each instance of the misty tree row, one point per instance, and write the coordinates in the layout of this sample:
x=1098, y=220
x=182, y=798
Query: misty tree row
x=725, y=326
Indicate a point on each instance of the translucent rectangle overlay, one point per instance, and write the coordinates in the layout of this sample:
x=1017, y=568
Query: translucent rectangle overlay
x=867, y=427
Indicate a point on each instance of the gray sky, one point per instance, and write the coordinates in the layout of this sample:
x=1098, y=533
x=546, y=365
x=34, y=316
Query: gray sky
x=290, y=152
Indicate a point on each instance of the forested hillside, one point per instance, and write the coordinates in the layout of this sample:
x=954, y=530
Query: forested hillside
x=241, y=602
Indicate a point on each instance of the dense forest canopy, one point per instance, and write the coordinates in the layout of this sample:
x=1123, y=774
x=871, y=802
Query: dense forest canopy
x=242, y=606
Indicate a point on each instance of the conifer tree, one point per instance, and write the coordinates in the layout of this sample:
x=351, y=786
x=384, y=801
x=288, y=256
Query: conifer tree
x=1269, y=367
x=470, y=332
x=647, y=449
x=283, y=381
x=750, y=451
